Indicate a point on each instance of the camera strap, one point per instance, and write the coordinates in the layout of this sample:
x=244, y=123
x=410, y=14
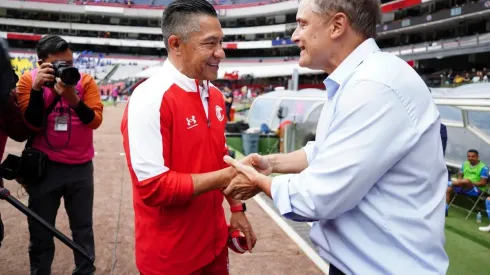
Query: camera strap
x=46, y=114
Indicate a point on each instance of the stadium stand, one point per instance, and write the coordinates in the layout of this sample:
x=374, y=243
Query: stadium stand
x=159, y=3
x=22, y=65
x=95, y=66
x=125, y=71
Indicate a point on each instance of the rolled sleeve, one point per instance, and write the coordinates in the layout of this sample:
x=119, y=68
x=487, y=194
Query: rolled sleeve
x=357, y=152
x=281, y=192
x=308, y=148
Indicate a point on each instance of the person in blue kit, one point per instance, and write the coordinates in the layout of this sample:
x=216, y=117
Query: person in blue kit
x=472, y=179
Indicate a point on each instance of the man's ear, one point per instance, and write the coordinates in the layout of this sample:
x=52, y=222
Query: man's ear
x=339, y=24
x=175, y=44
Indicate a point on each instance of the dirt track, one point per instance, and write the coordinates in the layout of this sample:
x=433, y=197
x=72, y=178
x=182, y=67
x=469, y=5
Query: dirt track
x=274, y=254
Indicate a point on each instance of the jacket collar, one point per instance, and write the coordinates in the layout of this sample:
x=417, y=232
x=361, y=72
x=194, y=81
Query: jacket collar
x=188, y=84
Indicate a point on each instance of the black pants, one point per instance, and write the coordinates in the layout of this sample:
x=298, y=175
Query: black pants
x=335, y=271
x=75, y=183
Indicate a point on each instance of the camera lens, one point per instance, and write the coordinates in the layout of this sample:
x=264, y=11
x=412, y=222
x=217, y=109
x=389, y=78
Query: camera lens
x=69, y=75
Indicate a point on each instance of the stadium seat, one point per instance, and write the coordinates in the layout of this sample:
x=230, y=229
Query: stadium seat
x=485, y=191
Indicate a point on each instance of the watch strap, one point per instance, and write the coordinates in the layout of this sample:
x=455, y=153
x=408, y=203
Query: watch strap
x=238, y=208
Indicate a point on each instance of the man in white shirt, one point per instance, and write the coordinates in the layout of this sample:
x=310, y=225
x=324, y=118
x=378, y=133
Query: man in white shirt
x=374, y=180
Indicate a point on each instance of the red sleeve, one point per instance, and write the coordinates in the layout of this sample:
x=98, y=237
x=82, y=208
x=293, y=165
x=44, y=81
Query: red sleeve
x=147, y=135
x=169, y=188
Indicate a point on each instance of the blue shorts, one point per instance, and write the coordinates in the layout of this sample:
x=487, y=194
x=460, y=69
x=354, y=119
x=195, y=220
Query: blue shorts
x=474, y=192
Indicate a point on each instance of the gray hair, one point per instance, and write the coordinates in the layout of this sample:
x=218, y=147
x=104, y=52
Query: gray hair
x=181, y=18
x=364, y=15
x=179, y=25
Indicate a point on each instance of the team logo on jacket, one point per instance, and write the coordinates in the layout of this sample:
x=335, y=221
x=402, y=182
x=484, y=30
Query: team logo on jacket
x=191, y=122
x=219, y=113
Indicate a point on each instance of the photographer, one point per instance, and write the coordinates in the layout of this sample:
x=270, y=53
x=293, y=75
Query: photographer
x=65, y=137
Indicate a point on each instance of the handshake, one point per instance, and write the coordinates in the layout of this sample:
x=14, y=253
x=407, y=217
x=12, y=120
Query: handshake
x=252, y=176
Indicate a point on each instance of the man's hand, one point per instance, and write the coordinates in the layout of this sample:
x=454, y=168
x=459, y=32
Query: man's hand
x=239, y=221
x=246, y=184
x=67, y=92
x=45, y=74
x=260, y=163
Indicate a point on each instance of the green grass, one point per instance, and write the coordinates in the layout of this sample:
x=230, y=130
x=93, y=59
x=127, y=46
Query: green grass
x=468, y=248
x=456, y=223
x=466, y=256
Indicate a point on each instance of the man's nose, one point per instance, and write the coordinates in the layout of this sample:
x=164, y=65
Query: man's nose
x=220, y=53
x=295, y=36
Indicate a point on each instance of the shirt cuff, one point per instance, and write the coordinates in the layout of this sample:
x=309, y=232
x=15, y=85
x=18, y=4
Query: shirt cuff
x=280, y=193
x=308, y=148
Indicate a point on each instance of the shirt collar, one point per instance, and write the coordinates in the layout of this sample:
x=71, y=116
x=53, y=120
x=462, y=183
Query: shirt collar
x=204, y=88
x=342, y=73
x=184, y=82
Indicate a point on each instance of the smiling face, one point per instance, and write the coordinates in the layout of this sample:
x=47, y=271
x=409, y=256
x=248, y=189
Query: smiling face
x=202, y=52
x=312, y=35
x=473, y=158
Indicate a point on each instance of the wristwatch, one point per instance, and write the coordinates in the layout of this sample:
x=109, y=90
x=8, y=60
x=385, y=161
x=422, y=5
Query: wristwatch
x=238, y=208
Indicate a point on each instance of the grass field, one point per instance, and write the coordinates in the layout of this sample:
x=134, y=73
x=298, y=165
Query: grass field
x=467, y=247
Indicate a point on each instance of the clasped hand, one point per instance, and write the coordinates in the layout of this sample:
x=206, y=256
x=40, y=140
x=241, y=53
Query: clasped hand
x=252, y=176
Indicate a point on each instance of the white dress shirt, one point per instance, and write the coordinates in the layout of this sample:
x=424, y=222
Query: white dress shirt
x=376, y=179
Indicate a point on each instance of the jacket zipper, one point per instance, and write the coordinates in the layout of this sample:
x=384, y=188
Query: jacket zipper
x=208, y=120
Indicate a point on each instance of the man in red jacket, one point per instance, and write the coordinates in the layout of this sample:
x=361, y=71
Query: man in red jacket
x=173, y=135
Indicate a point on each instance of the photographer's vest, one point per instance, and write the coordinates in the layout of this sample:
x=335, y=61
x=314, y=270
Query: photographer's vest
x=73, y=146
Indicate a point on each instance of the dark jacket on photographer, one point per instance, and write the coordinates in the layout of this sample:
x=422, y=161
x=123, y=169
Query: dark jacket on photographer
x=75, y=142
x=11, y=125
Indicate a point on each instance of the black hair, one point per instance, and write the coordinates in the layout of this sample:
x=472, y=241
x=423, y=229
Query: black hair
x=473, y=151
x=175, y=17
x=51, y=44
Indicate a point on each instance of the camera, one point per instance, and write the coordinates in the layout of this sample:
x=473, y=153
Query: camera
x=68, y=74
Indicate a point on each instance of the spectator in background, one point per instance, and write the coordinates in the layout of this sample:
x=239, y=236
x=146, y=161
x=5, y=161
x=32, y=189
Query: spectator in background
x=66, y=137
x=228, y=102
x=487, y=206
x=115, y=94
x=471, y=178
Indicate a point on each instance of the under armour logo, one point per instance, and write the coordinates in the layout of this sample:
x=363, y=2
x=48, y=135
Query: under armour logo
x=191, y=122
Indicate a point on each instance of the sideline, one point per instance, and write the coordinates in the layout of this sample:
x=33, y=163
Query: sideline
x=309, y=252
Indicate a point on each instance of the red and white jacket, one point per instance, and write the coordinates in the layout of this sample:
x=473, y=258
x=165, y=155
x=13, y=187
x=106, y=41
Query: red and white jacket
x=168, y=136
